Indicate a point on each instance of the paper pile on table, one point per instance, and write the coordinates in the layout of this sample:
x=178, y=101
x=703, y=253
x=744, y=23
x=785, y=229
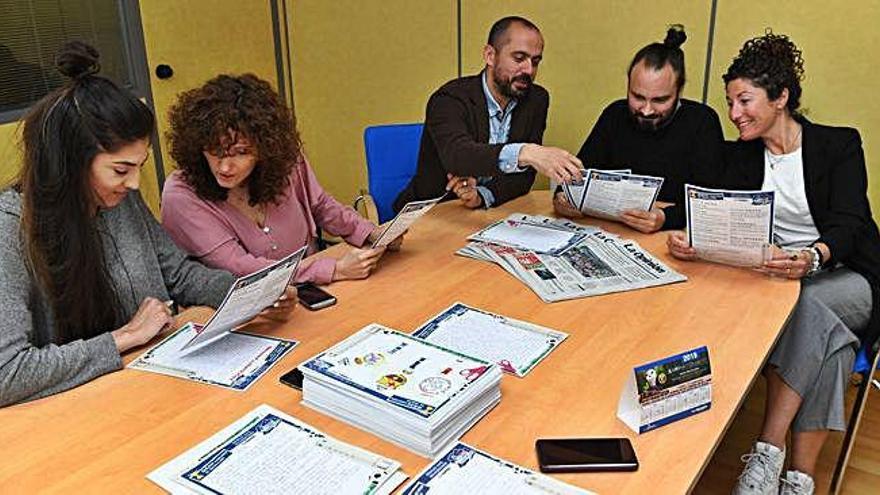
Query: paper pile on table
x=411, y=392
x=598, y=263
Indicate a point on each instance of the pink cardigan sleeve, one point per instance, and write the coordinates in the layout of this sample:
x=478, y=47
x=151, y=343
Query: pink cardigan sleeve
x=331, y=215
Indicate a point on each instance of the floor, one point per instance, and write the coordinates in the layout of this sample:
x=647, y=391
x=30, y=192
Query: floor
x=862, y=475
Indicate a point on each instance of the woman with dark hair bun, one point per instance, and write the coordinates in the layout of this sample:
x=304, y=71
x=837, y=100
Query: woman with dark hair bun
x=826, y=238
x=85, y=269
x=244, y=194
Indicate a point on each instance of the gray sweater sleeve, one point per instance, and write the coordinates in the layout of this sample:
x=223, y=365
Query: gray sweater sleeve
x=28, y=372
x=188, y=281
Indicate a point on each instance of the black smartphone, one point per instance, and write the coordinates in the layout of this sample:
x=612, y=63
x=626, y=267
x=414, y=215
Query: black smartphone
x=567, y=455
x=313, y=297
x=293, y=378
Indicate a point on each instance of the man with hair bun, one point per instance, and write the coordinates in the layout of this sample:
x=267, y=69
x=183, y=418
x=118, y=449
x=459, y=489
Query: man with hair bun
x=483, y=133
x=654, y=131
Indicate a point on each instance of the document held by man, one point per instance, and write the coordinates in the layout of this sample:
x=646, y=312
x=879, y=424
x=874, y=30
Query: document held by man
x=235, y=361
x=730, y=227
x=269, y=452
x=465, y=469
x=247, y=297
x=408, y=215
x=517, y=346
x=601, y=263
x=608, y=194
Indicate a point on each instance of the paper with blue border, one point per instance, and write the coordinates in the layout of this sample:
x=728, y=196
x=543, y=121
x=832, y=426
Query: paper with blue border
x=407, y=216
x=269, y=452
x=730, y=227
x=607, y=194
x=246, y=298
x=378, y=362
x=466, y=469
x=235, y=361
x=667, y=390
x=514, y=345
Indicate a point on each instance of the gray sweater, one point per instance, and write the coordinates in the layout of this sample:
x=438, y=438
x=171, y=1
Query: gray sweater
x=142, y=261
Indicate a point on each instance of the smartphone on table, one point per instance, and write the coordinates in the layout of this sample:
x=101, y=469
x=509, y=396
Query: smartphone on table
x=293, y=378
x=568, y=455
x=313, y=297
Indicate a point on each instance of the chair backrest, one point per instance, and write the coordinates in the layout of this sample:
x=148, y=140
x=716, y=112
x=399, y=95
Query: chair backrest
x=392, y=156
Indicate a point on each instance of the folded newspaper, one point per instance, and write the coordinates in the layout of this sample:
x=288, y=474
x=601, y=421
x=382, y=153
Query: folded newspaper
x=601, y=263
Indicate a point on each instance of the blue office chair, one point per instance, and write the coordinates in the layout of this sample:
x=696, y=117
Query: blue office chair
x=392, y=155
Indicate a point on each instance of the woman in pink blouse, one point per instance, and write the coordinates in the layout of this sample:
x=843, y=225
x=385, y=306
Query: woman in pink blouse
x=244, y=194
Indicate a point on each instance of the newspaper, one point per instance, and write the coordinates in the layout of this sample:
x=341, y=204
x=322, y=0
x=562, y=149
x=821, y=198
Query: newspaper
x=601, y=263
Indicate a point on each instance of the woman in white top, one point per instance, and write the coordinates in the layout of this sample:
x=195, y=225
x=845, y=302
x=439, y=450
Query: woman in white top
x=832, y=245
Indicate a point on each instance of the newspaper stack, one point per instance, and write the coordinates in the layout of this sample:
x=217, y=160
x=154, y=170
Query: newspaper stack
x=600, y=263
x=411, y=392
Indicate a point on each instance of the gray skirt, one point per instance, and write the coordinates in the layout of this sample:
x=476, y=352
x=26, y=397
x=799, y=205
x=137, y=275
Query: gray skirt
x=818, y=345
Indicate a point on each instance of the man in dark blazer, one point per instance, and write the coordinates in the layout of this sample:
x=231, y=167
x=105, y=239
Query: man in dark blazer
x=483, y=133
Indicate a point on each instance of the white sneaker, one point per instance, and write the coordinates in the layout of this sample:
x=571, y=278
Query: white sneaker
x=797, y=483
x=761, y=474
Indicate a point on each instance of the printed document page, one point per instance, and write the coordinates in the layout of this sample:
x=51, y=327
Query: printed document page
x=408, y=215
x=515, y=345
x=465, y=469
x=540, y=238
x=235, y=361
x=609, y=194
x=405, y=372
x=269, y=452
x=247, y=297
x=730, y=227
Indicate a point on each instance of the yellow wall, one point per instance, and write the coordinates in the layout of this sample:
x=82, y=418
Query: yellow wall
x=586, y=52
x=840, y=62
x=10, y=155
x=359, y=63
x=200, y=39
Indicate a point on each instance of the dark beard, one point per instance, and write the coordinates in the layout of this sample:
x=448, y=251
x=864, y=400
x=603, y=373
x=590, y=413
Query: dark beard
x=654, y=123
x=507, y=90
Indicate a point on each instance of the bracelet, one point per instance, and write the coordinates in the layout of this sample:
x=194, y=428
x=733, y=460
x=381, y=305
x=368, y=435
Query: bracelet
x=816, y=261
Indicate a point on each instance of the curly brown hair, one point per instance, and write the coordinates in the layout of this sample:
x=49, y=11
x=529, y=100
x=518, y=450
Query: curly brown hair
x=772, y=62
x=202, y=120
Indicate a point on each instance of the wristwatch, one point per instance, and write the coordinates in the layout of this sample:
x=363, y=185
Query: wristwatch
x=816, y=261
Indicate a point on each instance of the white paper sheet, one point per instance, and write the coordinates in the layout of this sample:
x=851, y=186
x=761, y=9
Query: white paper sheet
x=408, y=215
x=465, y=469
x=730, y=227
x=517, y=346
x=235, y=361
x=540, y=238
x=269, y=452
x=246, y=298
x=609, y=194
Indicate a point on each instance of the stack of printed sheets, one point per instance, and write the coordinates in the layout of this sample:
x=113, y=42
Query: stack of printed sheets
x=414, y=393
x=560, y=260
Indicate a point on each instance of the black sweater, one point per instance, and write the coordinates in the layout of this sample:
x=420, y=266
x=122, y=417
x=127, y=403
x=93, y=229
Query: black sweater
x=687, y=150
x=836, y=186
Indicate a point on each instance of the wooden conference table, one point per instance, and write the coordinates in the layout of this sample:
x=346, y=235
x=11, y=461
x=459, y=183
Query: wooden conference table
x=107, y=435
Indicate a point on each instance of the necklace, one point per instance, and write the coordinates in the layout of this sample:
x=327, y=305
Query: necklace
x=256, y=213
x=775, y=160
